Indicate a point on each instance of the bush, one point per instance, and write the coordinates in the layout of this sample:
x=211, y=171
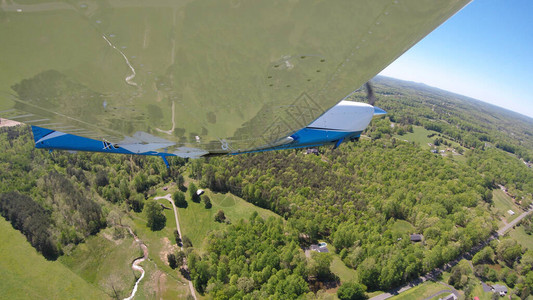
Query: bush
x=186, y=242
x=172, y=262
x=351, y=291
x=207, y=201
x=220, y=216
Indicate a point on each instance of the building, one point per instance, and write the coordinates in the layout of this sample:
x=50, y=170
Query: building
x=199, y=192
x=499, y=289
x=416, y=237
x=321, y=247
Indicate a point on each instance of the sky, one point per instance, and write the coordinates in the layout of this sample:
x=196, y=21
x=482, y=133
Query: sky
x=485, y=52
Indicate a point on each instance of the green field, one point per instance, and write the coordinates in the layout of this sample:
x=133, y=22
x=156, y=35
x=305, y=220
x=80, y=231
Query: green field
x=27, y=275
x=503, y=203
x=419, y=136
x=520, y=235
x=196, y=221
x=421, y=291
x=402, y=227
x=105, y=262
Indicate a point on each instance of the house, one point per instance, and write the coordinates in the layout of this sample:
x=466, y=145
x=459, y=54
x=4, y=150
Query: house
x=434, y=151
x=499, y=289
x=450, y=297
x=416, y=237
x=511, y=212
x=199, y=192
x=321, y=247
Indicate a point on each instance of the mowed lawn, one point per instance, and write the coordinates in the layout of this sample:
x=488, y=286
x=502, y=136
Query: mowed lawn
x=196, y=221
x=522, y=237
x=419, y=135
x=421, y=291
x=26, y=274
x=503, y=203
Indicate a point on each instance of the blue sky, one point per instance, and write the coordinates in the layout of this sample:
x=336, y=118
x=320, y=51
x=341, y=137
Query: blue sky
x=485, y=52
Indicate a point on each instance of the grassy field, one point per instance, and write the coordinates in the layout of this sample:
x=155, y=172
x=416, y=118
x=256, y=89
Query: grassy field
x=420, y=136
x=339, y=268
x=503, y=203
x=402, y=227
x=422, y=291
x=105, y=262
x=27, y=275
x=196, y=221
x=522, y=237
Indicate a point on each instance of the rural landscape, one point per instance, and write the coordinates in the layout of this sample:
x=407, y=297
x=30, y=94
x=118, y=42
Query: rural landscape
x=433, y=201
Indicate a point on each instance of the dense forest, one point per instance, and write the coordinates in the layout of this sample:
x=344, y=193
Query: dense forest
x=364, y=199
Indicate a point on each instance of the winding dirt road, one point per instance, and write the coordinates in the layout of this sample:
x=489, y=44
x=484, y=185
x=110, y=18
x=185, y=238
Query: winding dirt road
x=169, y=198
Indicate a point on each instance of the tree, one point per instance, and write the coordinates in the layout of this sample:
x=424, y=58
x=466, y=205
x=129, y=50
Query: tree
x=207, y=201
x=154, y=214
x=179, y=199
x=351, y=291
x=508, y=250
x=320, y=267
x=177, y=237
x=172, y=261
x=186, y=241
x=180, y=258
x=220, y=216
x=136, y=202
x=192, y=192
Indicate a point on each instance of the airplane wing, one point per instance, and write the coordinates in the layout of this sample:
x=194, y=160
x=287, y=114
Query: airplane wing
x=196, y=77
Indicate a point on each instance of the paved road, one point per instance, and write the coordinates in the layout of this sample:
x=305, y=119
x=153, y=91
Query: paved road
x=169, y=198
x=433, y=274
x=504, y=229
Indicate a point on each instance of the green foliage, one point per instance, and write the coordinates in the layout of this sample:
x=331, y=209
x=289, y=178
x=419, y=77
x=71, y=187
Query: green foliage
x=136, y=202
x=220, y=217
x=192, y=192
x=509, y=251
x=320, y=266
x=351, y=291
x=154, y=214
x=254, y=257
x=172, y=261
x=486, y=255
x=186, y=242
x=179, y=199
x=31, y=219
x=206, y=201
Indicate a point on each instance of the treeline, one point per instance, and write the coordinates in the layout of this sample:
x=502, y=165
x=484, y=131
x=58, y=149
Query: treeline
x=69, y=188
x=355, y=195
x=32, y=220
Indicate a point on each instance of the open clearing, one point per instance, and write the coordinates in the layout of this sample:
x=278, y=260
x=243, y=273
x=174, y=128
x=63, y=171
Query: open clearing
x=504, y=203
x=422, y=291
x=27, y=275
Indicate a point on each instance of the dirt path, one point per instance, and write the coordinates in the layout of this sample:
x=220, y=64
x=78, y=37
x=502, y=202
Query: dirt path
x=169, y=198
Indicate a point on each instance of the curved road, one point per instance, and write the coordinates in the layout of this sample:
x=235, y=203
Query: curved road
x=169, y=198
